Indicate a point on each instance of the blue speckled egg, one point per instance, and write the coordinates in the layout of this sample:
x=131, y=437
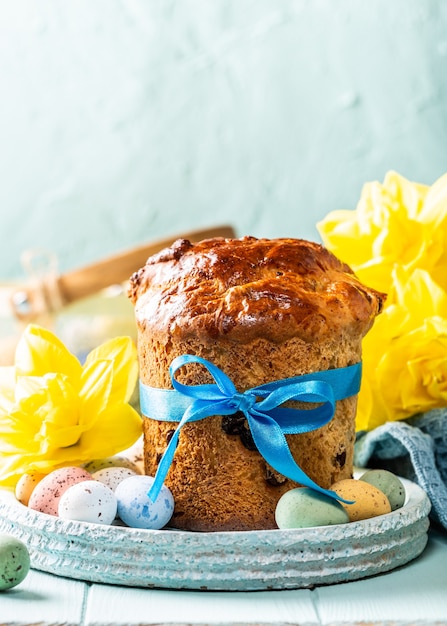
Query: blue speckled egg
x=14, y=562
x=304, y=508
x=137, y=510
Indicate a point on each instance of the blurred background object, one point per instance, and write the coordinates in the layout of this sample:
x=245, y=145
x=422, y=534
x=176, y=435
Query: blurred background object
x=124, y=121
x=84, y=307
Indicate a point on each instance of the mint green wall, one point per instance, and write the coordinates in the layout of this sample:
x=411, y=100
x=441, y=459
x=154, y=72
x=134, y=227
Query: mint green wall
x=127, y=120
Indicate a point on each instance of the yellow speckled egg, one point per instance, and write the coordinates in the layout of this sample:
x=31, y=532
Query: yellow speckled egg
x=369, y=501
x=25, y=486
x=112, y=461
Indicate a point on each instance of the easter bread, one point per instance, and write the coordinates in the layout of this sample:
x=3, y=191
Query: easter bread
x=261, y=310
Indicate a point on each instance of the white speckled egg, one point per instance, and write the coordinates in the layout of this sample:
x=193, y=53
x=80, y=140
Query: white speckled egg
x=14, y=562
x=304, y=508
x=25, y=486
x=389, y=484
x=112, y=476
x=47, y=493
x=112, y=461
x=88, y=501
x=137, y=510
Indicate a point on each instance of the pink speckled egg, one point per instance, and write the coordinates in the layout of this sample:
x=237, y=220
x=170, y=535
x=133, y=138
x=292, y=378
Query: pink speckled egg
x=47, y=493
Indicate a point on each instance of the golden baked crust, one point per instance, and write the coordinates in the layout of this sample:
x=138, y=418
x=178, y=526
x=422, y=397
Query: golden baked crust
x=261, y=310
x=240, y=289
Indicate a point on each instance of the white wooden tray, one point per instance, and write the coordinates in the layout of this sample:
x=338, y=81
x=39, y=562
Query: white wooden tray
x=235, y=561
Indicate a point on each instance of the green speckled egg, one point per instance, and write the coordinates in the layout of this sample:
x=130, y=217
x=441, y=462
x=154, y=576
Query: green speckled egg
x=389, y=484
x=14, y=562
x=303, y=508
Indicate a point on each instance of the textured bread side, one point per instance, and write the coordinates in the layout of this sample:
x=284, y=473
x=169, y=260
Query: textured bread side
x=219, y=481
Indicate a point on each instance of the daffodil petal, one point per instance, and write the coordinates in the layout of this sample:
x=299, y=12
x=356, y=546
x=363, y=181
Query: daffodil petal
x=13, y=440
x=117, y=429
x=39, y=351
x=414, y=363
x=434, y=210
x=96, y=387
x=123, y=353
x=7, y=379
x=402, y=192
x=418, y=293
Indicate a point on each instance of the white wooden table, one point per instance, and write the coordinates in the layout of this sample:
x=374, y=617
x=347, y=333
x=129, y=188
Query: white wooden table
x=415, y=593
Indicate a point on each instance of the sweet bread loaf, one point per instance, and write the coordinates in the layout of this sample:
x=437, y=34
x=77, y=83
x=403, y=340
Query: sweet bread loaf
x=261, y=310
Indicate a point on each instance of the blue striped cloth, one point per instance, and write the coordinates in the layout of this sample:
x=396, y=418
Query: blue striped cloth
x=415, y=449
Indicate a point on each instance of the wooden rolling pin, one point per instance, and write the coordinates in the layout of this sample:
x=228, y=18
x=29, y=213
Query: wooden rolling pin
x=51, y=291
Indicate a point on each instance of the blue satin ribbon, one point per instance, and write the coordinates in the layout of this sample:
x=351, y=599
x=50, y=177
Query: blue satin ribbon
x=268, y=421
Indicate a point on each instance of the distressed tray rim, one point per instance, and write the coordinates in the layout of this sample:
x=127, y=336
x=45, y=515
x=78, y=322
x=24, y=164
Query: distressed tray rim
x=229, y=560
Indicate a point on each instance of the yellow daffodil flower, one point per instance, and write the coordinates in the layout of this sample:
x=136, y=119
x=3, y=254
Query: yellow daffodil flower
x=405, y=353
x=56, y=412
x=396, y=242
x=397, y=223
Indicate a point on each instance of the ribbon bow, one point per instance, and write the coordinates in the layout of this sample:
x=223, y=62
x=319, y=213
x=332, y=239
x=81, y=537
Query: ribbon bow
x=268, y=421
